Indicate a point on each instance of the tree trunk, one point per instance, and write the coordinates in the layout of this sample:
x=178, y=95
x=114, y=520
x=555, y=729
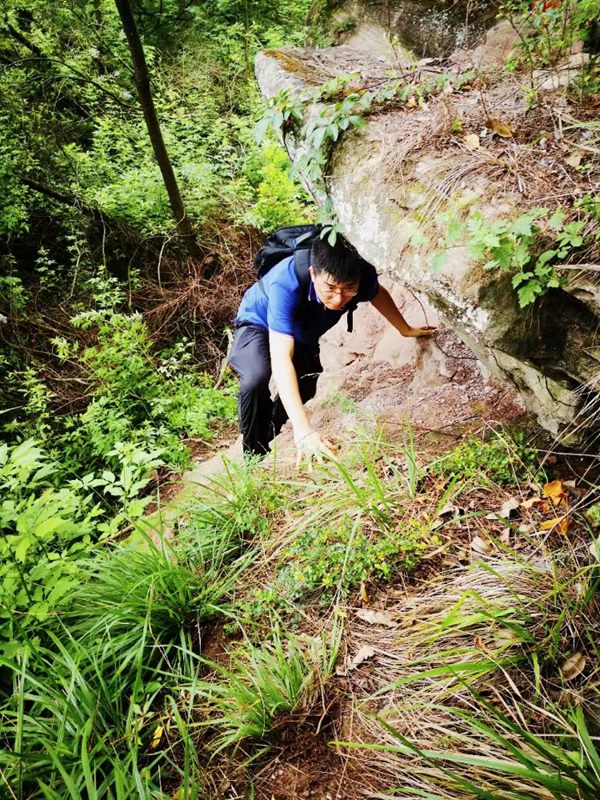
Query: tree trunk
x=142, y=82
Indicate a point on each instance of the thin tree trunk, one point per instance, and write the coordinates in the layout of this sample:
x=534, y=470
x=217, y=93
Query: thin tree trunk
x=142, y=82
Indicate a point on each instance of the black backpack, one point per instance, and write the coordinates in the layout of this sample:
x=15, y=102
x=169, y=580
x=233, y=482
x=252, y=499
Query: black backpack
x=294, y=240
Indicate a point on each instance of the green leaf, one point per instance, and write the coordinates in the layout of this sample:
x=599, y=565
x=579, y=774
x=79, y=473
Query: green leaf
x=523, y=226
x=545, y=257
x=261, y=128
x=556, y=220
x=453, y=231
x=438, y=261
x=528, y=293
x=22, y=547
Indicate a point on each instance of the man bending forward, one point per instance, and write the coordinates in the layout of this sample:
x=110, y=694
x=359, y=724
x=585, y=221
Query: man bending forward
x=278, y=327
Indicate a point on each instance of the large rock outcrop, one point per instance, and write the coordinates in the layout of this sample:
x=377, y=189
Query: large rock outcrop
x=395, y=183
x=426, y=28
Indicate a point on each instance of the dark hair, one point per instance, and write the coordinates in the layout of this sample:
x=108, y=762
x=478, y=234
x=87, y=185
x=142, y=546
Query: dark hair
x=340, y=260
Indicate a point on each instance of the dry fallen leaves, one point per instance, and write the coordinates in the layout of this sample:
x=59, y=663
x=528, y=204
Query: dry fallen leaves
x=559, y=524
x=574, y=159
x=481, y=546
x=500, y=128
x=376, y=618
x=472, y=141
x=557, y=492
x=364, y=654
x=573, y=666
x=506, y=509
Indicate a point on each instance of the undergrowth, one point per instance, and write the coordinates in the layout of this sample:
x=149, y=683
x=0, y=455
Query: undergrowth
x=503, y=458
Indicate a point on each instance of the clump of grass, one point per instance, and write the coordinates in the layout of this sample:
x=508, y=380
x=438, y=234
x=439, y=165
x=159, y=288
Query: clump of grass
x=267, y=684
x=470, y=710
x=85, y=703
x=502, y=752
x=503, y=458
x=147, y=597
x=233, y=510
x=77, y=726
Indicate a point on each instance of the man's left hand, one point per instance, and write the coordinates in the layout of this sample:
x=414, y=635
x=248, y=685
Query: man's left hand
x=426, y=330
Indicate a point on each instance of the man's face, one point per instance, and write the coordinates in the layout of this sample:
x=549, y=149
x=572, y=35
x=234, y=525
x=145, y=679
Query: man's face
x=333, y=294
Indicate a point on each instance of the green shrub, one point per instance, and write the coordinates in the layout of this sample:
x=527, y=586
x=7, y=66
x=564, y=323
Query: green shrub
x=280, y=201
x=48, y=529
x=505, y=459
x=44, y=535
x=86, y=707
x=336, y=561
x=151, y=400
x=234, y=509
x=13, y=297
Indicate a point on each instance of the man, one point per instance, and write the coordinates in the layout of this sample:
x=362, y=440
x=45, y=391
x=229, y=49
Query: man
x=279, y=325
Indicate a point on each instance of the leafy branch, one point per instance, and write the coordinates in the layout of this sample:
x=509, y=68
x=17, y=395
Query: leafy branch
x=342, y=105
x=532, y=246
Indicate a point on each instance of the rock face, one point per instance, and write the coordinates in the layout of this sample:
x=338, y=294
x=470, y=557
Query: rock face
x=427, y=28
x=394, y=185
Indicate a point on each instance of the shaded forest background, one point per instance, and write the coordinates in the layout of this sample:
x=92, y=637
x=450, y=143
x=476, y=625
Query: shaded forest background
x=189, y=668
x=95, y=280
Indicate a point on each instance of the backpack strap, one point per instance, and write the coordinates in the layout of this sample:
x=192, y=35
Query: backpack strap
x=301, y=265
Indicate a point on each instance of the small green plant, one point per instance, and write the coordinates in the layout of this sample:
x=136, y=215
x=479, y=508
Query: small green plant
x=45, y=535
x=235, y=508
x=280, y=200
x=335, y=561
x=13, y=296
x=504, y=459
x=548, y=29
x=148, y=596
x=514, y=246
x=268, y=685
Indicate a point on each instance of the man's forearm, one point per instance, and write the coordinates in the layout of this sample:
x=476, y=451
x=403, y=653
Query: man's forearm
x=286, y=381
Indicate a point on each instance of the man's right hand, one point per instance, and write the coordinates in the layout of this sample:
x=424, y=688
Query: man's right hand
x=312, y=446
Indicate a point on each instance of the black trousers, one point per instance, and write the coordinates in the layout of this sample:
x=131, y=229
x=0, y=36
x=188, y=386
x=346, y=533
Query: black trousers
x=261, y=418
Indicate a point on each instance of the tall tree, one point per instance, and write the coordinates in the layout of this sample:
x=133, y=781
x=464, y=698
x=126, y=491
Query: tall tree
x=142, y=83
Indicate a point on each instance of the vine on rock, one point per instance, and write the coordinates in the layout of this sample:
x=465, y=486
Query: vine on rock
x=342, y=106
x=533, y=247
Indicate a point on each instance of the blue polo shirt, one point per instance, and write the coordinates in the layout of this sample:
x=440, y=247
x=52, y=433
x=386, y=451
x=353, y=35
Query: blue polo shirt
x=273, y=303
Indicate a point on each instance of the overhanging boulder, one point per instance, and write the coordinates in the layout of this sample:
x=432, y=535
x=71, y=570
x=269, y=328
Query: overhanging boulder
x=395, y=183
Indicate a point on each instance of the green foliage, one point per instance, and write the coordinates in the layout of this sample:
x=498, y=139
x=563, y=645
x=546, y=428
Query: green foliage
x=336, y=561
x=44, y=535
x=71, y=121
x=503, y=458
x=146, y=595
x=86, y=706
x=13, y=296
x=344, y=103
x=48, y=531
x=550, y=29
x=267, y=683
x=235, y=509
x=530, y=247
x=279, y=200
x=136, y=396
